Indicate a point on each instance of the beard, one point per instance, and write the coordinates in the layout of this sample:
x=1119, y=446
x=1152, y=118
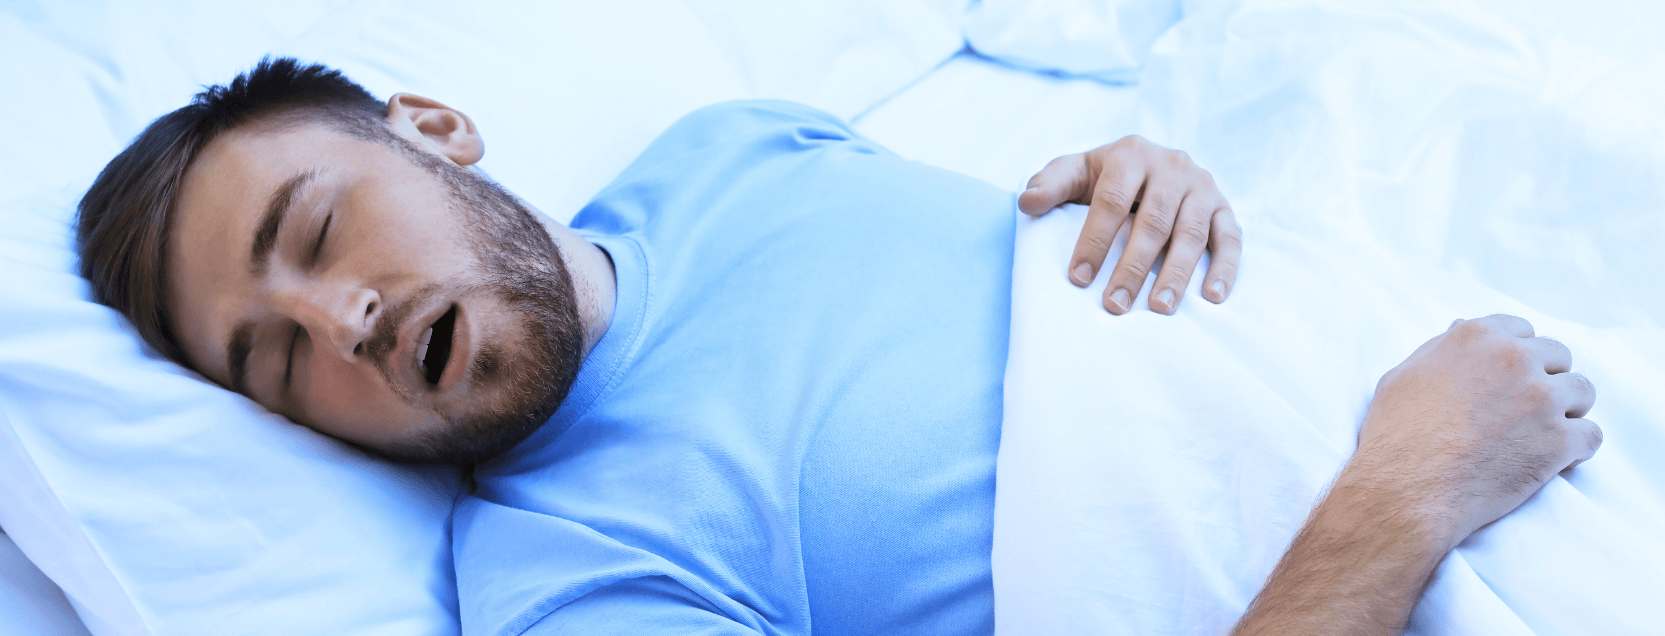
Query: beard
x=523, y=269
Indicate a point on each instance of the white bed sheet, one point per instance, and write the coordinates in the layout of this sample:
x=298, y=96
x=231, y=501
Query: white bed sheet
x=1395, y=165
x=998, y=123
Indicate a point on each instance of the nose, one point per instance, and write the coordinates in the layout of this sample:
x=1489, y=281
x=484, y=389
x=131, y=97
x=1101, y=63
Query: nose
x=339, y=317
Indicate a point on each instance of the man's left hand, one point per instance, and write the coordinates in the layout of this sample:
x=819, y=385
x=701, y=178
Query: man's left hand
x=1173, y=204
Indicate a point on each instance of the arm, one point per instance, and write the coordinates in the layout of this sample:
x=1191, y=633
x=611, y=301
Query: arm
x=1465, y=430
x=1356, y=567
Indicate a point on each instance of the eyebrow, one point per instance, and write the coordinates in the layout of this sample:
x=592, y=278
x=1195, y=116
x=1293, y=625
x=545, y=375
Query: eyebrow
x=277, y=207
x=237, y=355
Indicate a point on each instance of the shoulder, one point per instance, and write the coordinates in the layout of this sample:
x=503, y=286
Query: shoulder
x=743, y=118
x=525, y=572
x=712, y=151
x=745, y=132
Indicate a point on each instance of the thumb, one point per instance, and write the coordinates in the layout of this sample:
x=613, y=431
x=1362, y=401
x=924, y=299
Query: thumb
x=1063, y=180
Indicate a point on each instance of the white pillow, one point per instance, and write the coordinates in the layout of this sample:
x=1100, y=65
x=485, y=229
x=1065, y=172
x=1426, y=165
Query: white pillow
x=32, y=605
x=566, y=94
x=1104, y=39
x=161, y=504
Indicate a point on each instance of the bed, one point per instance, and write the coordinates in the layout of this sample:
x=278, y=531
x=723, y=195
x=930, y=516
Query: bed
x=1394, y=166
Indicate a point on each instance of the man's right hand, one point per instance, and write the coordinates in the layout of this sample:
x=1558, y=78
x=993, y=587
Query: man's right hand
x=1476, y=421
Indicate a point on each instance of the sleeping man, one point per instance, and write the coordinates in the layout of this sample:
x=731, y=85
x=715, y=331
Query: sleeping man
x=755, y=387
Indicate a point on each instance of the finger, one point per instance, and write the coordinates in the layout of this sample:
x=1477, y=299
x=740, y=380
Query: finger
x=1225, y=247
x=1113, y=200
x=1574, y=392
x=1151, y=227
x=1583, y=440
x=1063, y=180
x=1506, y=324
x=1185, y=248
x=1556, y=357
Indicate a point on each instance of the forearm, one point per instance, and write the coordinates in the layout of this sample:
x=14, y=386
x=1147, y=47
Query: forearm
x=1357, y=567
x=1457, y=435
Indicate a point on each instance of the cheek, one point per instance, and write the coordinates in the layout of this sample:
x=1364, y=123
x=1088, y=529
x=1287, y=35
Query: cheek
x=353, y=402
x=409, y=236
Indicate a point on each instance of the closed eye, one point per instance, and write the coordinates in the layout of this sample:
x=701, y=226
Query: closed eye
x=318, y=246
x=289, y=359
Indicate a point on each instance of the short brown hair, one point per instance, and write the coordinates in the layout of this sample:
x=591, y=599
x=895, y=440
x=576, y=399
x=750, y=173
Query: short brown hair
x=124, y=219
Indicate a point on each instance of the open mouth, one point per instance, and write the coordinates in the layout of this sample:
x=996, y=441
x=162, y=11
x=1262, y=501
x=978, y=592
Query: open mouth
x=435, y=349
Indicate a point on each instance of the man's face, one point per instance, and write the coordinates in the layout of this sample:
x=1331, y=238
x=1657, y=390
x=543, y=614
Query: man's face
x=373, y=292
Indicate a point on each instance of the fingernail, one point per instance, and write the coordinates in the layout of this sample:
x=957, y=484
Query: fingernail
x=1082, y=275
x=1219, y=290
x=1118, y=301
x=1165, y=298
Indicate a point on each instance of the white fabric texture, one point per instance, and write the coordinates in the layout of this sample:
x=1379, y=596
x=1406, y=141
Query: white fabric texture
x=1020, y=119
x=1103, y=39
x=31, y=603
x=163, y=505
x=567, y=94
x=1395, y=166
x=1153, y=468
x=1516, y=143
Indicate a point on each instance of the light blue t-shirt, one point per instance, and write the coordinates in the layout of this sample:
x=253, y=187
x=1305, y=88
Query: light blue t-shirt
x=790, y=425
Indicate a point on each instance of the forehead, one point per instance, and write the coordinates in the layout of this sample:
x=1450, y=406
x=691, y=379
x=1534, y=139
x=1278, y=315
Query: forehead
x=242, y=166
x=222, y=199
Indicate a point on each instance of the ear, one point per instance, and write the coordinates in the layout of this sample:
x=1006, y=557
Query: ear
x=435, y=128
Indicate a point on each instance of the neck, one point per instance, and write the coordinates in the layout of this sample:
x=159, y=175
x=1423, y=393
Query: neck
x=593, y=280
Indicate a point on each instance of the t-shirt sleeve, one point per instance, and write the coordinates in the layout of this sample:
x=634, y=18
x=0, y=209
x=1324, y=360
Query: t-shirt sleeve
x=521, y=572
x=646, y=606
x=729, y=127
x=703, y=154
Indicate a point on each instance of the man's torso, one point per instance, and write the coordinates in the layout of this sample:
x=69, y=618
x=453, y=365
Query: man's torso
x=792, y=421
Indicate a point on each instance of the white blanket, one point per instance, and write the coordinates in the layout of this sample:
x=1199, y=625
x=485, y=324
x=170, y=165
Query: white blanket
x=1154, y=468
x=1396, y=167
